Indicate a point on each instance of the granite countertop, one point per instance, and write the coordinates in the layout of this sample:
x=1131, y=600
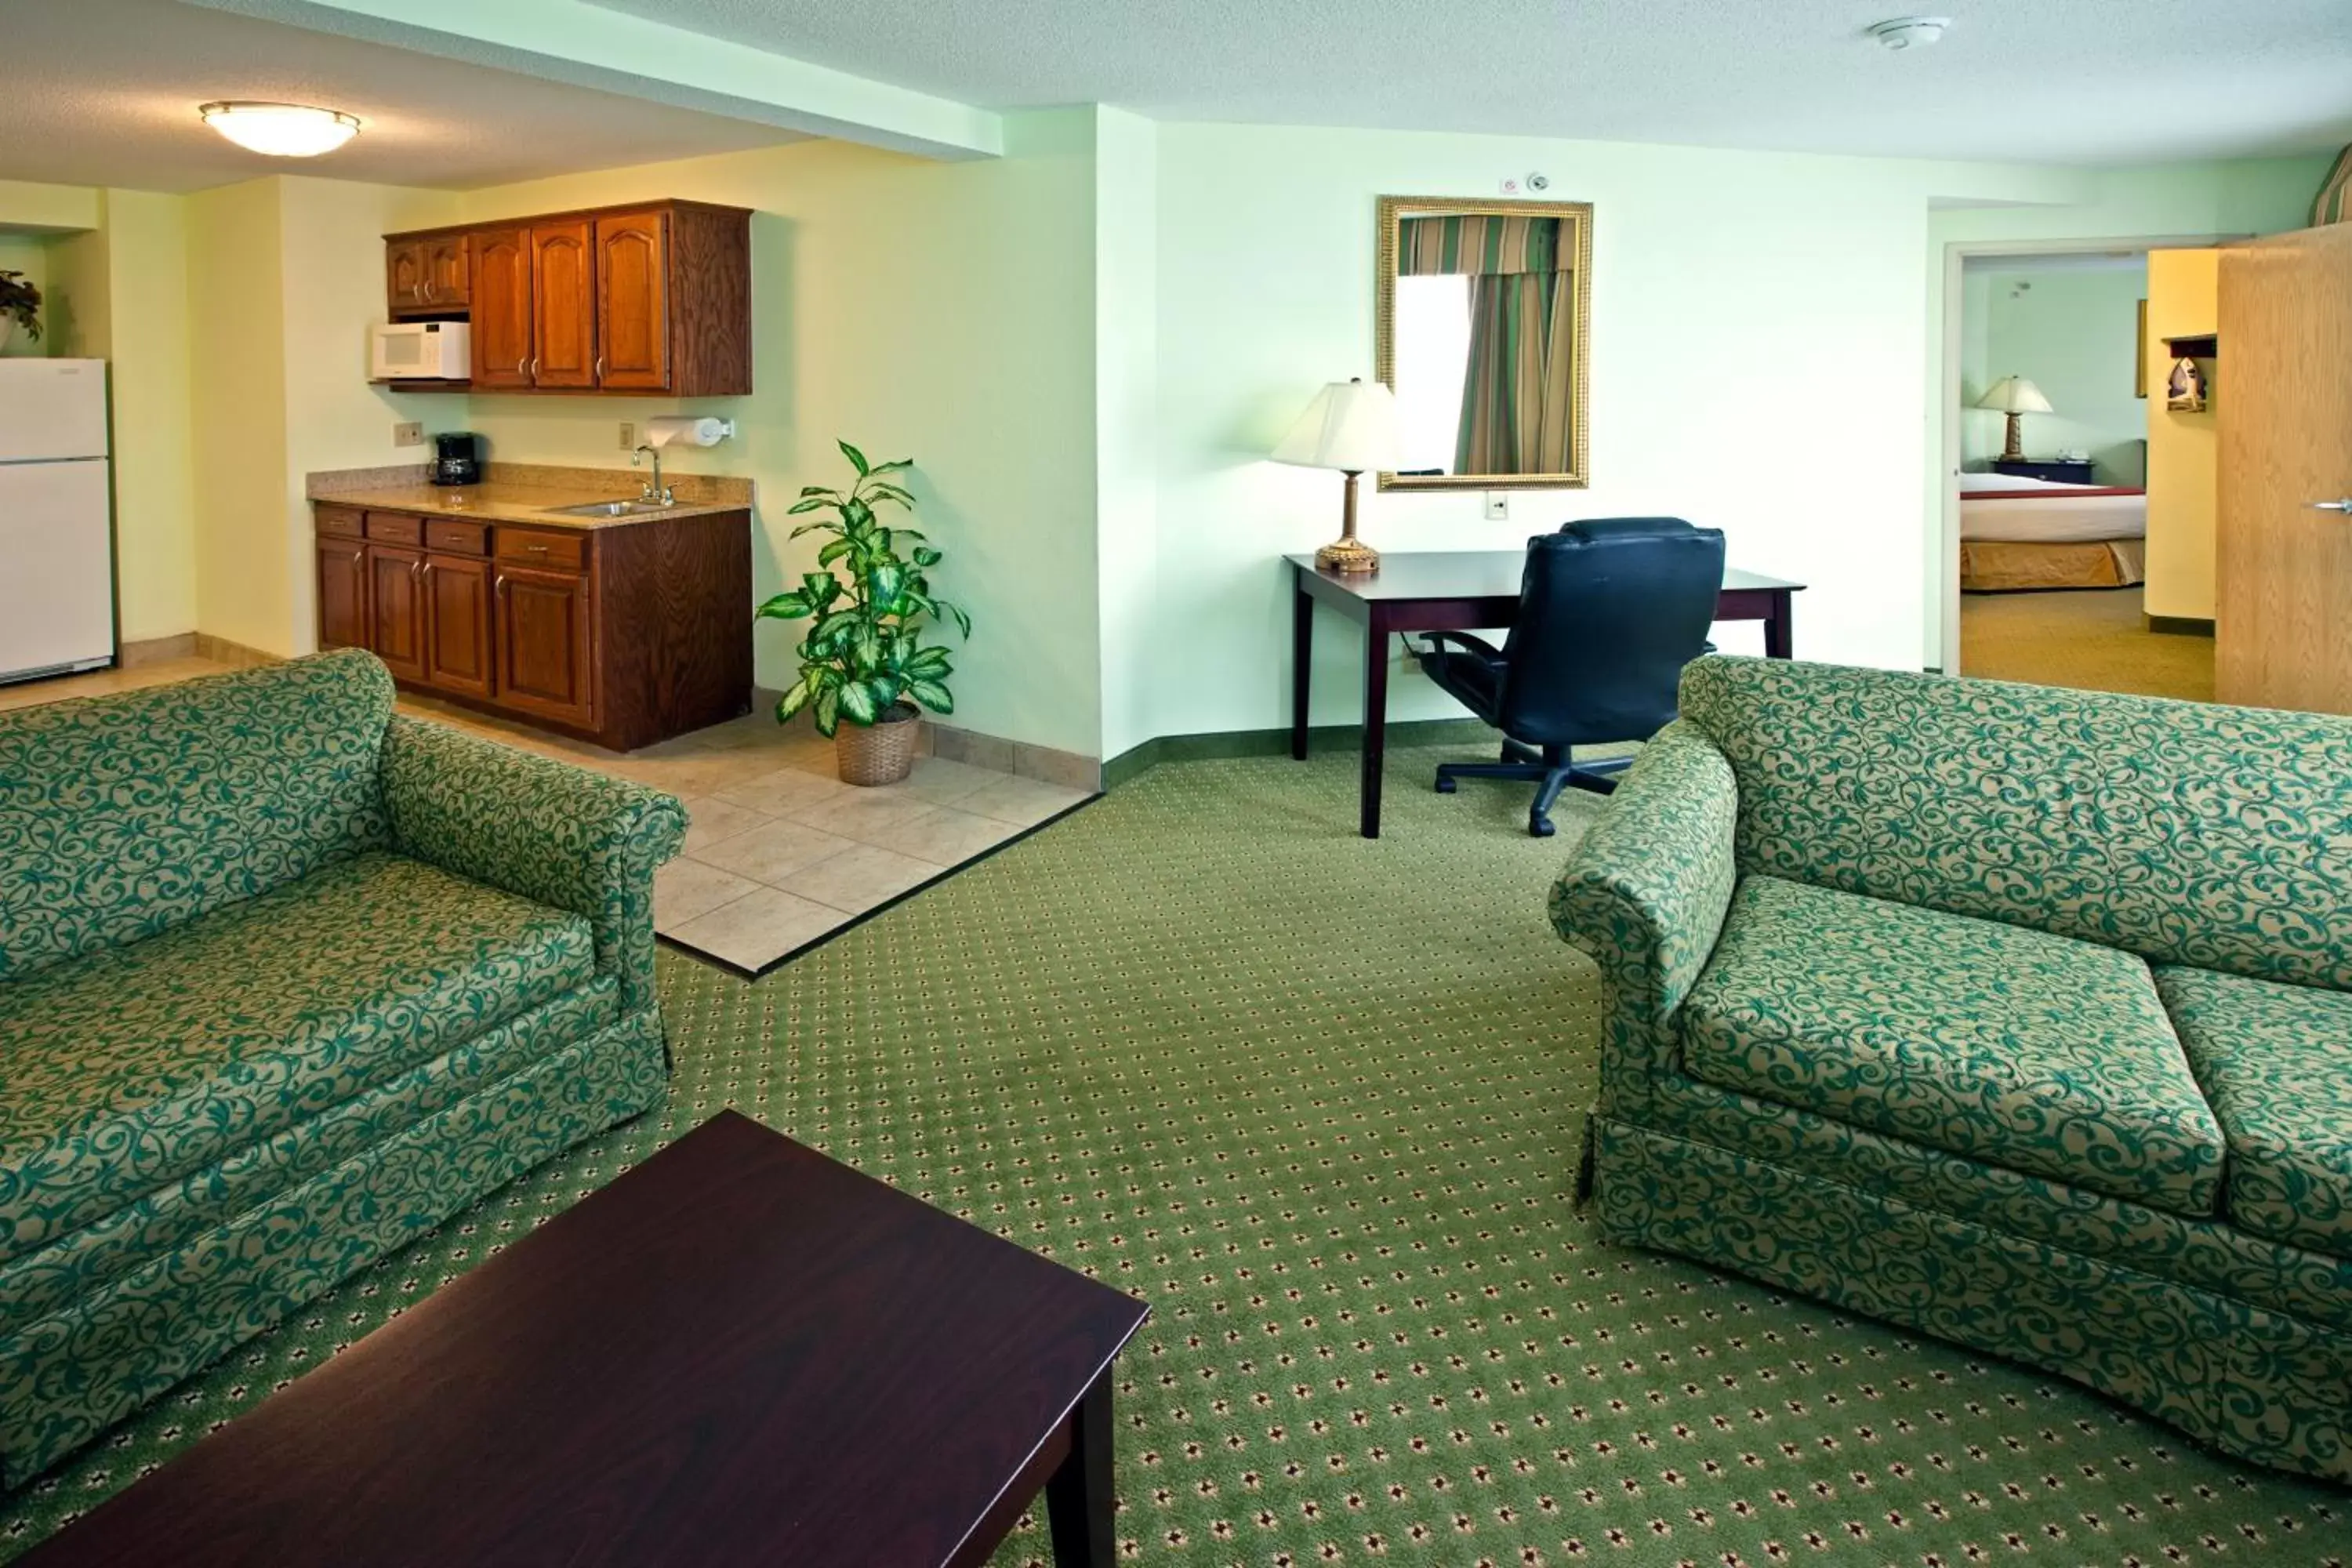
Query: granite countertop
x=519, y=493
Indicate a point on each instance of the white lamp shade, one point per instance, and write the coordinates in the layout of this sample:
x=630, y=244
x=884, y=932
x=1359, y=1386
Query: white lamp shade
x=1351, y=425
x=2015, y=395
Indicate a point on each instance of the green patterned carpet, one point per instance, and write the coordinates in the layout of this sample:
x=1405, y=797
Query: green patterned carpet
x=1314, y=1099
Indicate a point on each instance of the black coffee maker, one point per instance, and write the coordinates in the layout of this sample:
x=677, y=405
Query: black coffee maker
x=456, y=459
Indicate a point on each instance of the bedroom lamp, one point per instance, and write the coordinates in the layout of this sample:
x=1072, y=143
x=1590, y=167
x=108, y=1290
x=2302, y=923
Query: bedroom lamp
x=2015, y=396
x=1351, y=425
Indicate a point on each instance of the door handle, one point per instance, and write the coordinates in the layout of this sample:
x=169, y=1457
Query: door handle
x=428, y=290
x=522, y=367
x=2344, y=506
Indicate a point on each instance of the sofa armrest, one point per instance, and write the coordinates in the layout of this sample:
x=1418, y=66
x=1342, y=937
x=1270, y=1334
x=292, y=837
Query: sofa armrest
x=569, y=838
x=1646, y=890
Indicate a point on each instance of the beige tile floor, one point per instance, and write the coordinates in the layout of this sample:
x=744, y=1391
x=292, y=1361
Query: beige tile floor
x=779, y=851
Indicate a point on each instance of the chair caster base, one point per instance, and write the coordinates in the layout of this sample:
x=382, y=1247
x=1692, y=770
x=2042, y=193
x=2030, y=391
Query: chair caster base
x=1444, y=785
x=1541, y=827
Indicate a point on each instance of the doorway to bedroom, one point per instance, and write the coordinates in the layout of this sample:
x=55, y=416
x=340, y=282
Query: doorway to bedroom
x=2060, y=493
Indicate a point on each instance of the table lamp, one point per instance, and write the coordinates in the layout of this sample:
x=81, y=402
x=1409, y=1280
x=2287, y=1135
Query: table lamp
x=2015, y=396
x=1351, y=427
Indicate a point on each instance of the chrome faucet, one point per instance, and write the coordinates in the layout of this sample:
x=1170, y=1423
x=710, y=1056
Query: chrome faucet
x=656, y=491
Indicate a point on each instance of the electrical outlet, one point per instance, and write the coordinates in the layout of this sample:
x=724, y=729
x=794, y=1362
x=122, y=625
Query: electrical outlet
x=628, y=437
x=1498, y=506
x=408, y=433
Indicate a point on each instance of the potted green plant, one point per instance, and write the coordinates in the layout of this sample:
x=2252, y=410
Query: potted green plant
x=866, y=671
x=20, y=306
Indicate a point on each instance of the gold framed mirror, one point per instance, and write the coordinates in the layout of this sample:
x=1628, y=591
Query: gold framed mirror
x=1482, y=314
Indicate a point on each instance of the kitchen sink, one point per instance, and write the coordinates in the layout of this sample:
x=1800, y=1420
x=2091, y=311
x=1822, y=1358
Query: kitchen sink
x=607, y=508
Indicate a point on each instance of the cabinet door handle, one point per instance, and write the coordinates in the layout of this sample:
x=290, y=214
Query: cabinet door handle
x=534, y=367
x=428, y=290
x=536, y=549
x=600, y=367
x=522, y=367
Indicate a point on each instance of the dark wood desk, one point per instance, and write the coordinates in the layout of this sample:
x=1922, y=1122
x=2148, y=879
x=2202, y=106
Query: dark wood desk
x=738, y=1352
x=1459, y=591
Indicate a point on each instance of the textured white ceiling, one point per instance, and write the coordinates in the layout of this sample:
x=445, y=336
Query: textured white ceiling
x=2049, y=80
x=104, y=92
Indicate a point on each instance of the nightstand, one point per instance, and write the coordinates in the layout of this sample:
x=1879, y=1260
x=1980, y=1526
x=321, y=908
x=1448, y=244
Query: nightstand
x=2064, y=473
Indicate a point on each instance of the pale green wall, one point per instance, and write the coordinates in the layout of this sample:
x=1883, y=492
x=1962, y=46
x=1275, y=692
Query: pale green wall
x=2074, y=333
x=1756, y=356
x=1127, y=420
x=940, y=311
x=237, y=427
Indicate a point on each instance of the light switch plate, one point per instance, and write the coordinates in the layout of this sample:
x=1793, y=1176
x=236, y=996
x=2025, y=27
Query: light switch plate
x=628, y=437
x=1498, y=506
x=408, y=433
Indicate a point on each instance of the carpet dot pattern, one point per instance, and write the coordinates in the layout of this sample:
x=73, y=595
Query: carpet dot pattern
x=1317, y=1100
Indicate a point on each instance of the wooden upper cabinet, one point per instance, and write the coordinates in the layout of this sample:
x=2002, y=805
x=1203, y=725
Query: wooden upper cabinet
x=633, y=302
x=405, y=275
x=502, y=308
x=563, y=304
x=655, y=298
x=448, y=278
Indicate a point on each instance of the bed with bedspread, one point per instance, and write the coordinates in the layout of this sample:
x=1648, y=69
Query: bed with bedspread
x=2021, y=533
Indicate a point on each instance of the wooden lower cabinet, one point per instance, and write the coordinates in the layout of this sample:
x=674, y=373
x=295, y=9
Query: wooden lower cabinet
x=458, y=622
x=342, y=593
x=545, y=652
x=623, y=635
x=396, y=609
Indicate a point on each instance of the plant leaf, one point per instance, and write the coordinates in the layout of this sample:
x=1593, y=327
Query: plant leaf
x=796, y=699
x=785, y=606
x=832, y=553
x=926, y=556
x=858, y=703
x=931, y=695
x=928, y=661
x=893, y=466
x=828, y=711
x=801, y=506
x=856, y=458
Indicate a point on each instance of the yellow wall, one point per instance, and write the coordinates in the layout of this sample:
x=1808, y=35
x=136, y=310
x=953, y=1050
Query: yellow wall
x=2182, y=297
x=238, y=417
x=331, y=264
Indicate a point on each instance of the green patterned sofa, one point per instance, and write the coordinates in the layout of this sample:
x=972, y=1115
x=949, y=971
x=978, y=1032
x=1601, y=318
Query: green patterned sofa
x=2019, y=1017
x=284, y=981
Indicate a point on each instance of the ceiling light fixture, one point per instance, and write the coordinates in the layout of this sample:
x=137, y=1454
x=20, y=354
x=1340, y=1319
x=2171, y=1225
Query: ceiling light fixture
x=280, y=130
x=1910, y=32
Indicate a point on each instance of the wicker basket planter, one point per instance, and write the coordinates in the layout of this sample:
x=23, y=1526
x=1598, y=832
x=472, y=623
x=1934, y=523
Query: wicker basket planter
x=881, y=753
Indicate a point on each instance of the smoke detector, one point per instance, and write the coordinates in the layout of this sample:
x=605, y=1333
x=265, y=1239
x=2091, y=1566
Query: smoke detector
x=1911, y=32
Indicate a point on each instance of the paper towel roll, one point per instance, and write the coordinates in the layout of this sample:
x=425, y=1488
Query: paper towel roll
x=670, y=429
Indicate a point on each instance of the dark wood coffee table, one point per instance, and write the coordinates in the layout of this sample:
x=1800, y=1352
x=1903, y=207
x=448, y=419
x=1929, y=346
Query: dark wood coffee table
x=740, y=1352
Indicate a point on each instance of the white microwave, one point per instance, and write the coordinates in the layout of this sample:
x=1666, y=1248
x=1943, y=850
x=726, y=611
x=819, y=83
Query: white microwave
x=420, y=351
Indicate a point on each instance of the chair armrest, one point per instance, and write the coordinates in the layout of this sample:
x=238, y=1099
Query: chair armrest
x=543, y=829
x=1470, y=640
x=1645, y=894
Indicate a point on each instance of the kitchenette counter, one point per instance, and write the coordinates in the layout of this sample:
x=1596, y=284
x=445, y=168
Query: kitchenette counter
x=528, y=493
x=486, y=596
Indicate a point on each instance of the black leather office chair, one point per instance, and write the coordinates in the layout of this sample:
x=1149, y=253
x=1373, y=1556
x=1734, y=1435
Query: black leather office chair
x=1610, y=610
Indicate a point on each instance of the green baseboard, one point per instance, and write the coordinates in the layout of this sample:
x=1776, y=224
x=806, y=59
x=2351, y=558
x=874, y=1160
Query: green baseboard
x=2181, y=625
x=1140, y=760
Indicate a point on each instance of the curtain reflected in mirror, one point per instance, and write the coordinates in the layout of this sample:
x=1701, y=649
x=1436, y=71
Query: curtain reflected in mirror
x=1482, y=316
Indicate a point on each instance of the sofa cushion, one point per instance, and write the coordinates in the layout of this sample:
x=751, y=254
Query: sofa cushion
x=135, y=1064
x=2276, y=1064
x=2005, y=1045
x=2186, y=832
x=120, y=816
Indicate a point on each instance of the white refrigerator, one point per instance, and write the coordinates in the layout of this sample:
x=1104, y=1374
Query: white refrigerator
x=57, y=540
